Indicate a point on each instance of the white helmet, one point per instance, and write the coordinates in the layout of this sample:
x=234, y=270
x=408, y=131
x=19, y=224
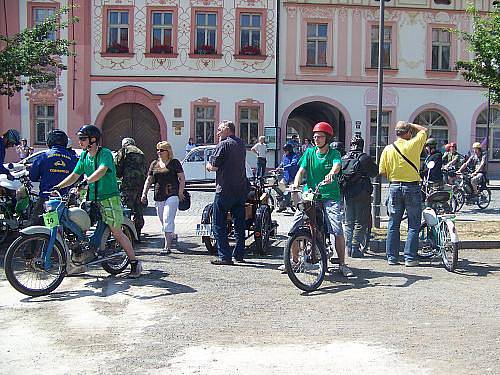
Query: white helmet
x=80, y=218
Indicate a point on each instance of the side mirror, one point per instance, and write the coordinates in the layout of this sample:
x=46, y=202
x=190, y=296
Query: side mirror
x=10, y=166
x=431, y=164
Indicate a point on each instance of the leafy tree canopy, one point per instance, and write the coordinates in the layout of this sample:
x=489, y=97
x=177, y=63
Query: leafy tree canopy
x=29, y=57
x=484, y=43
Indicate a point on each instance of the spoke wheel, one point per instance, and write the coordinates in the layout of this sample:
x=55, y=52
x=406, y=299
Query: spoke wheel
x=305, y=266
x=447, y=248
x=484, y=198
x=459, y=195
x=4, y=229
x=24, y=265
x=426, y=241
x=262, y=229
x=119, y=263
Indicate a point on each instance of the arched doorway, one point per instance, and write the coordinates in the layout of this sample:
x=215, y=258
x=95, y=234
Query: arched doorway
x=135, y=121
x=303, y=118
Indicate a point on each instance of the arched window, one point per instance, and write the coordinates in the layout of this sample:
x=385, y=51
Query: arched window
x=494, y=138
x=437, y=125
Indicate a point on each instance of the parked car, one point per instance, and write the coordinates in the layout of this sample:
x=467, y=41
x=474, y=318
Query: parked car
x=194, y=165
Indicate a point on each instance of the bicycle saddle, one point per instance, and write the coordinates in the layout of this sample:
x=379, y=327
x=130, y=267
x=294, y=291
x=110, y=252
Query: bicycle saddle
x=438, y=196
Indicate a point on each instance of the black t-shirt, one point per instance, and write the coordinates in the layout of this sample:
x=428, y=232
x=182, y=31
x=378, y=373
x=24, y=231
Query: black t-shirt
x=436, y=174
x=165, y=179
x=229, y=158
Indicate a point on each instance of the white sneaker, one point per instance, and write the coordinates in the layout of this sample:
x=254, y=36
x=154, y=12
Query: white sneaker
x=345, y=271
x=281, y=268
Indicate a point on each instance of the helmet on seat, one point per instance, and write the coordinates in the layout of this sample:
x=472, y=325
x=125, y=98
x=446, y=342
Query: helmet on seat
x=90, y=131
x=57, y=137
x=12, y=136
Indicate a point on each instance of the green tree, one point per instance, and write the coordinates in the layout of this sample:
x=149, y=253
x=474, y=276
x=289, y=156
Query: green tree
x=484, y=43
x=29, y=57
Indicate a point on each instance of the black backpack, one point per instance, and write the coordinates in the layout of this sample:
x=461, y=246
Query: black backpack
x=350, y=171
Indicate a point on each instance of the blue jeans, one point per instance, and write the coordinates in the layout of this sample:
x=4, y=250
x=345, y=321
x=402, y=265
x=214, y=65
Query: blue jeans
x=403, y=197
x=261, y=166
x=222, y=205
x=357, y=219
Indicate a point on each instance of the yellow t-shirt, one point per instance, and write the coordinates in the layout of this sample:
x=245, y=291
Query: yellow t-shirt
x=395, y=167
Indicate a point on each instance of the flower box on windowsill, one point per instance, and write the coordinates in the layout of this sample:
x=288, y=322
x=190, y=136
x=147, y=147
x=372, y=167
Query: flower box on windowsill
x=250, y=51
x=157, y=50
x=117, y=48
x=205, y=50
x=250, y=57
x=122, y=55
x=161, y=55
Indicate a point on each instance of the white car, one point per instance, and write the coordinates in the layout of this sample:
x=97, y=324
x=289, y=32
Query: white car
x=194, y=165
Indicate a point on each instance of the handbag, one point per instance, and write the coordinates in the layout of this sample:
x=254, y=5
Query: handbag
x=185, y=204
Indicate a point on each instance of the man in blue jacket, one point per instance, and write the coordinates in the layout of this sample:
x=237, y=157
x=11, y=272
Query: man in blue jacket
x=290, y=165
x=51, y=167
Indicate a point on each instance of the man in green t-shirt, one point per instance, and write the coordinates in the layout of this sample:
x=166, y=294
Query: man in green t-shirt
x=322, y=164
x=99, y=168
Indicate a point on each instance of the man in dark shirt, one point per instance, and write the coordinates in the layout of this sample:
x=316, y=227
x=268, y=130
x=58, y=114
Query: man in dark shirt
x=433, y=154
x=228, y=161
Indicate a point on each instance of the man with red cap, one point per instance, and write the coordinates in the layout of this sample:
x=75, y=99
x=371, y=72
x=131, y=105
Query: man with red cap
x=322, y=164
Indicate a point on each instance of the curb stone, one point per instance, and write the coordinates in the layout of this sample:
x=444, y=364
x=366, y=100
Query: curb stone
x=379, y=246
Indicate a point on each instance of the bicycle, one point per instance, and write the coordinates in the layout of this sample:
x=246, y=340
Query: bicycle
x=306, y=249
x=276, y=190
x=466, y=193
x=438, y=235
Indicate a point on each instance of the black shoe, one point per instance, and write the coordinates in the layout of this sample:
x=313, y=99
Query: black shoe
x=220, y=262
x=238, y=260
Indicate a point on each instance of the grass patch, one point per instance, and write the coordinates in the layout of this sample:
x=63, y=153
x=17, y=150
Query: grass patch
x=467, y=230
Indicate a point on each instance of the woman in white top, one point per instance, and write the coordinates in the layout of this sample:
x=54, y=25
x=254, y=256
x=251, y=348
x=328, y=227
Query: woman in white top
x=260, y=149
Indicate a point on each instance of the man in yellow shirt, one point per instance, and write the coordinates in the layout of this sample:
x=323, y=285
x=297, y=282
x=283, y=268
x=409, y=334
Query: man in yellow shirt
x=400, y=163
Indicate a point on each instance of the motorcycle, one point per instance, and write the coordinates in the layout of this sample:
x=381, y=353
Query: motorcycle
x=279, y=196
x=17, y=201
x=39, y=259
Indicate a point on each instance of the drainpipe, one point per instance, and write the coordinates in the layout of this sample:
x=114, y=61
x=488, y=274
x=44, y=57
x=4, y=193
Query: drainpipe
x=276, y=84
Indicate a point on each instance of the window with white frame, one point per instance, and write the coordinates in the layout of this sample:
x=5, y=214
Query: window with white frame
x=161, y=32
x=437, y=125
x=40, y=15
x=317, y=43
x=494, y=136
x=206, y=33
x=204, y=124
x=441, y=49
x=386, y=46
x=118, y=32
x=249, y=124
x=250, y=34
x=44, y=122
x=384, y=138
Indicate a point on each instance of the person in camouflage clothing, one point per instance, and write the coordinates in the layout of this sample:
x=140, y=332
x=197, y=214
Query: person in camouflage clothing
x=131, y=168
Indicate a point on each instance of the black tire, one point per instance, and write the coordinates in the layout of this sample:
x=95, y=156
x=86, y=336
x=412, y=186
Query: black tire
x=271, y=201
x=484, y=198
x=426, y=242
x=23, y=258
x=262, y=229
x=210, y=244
x=301, y=277
x=459, y=195
x=4, y=230
x=447, y=249
x=208, y=241
x=119, y=263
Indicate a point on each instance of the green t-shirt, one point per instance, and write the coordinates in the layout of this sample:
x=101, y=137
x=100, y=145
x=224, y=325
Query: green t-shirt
x=107, y=186
x=317, y=167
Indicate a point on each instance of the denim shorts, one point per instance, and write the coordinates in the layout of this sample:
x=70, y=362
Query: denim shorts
x=334, y=218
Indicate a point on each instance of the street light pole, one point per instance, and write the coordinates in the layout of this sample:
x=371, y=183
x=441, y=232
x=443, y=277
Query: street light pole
x=488, y=130
x=380, y=88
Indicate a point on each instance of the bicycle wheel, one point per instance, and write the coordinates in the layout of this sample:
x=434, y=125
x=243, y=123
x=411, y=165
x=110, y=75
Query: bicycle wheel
x=484, y=198
x=426, y=242
x=459, y=195
x=447, y=248
x=120, y=262
x=305, y=266
x=24, y=266
x=4, y=229
x=271, y=200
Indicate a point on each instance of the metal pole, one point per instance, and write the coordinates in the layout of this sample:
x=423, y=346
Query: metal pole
x=488, y=130
x=276, y=87
x=380, y=86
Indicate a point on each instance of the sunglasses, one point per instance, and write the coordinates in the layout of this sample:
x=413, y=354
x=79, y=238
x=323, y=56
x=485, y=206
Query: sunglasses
x=83, y=138
x=160, y=150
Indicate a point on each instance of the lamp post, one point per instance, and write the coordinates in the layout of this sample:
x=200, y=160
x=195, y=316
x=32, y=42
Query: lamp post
x=380, y=88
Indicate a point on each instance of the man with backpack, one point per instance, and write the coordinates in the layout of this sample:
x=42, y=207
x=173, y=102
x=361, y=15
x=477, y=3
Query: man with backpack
x=357, y=168
x=131, y=167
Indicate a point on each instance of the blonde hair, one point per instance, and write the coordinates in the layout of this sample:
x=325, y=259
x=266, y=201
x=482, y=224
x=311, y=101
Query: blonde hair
x=164, y=145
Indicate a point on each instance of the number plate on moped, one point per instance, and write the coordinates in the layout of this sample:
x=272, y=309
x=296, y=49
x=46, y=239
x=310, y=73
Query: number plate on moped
x=203, y=229
x=51, y=219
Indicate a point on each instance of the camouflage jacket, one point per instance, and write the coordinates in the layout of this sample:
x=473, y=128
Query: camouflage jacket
x=131, y=167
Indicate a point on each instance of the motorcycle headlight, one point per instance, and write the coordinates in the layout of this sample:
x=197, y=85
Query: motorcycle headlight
x=51, y=205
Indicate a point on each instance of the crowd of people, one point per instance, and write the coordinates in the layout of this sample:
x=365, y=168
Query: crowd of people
x=345, y=187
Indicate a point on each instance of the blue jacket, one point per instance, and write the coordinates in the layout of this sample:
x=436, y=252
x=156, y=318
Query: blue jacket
x=51, y=167
x=290, y=165
x=3, y=170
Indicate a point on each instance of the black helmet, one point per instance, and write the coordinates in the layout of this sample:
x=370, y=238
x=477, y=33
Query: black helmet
x=287, y=147
x=13, y=136
x=90, y=131
x=57, y=137
x=337, y=145
x=357, y=143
